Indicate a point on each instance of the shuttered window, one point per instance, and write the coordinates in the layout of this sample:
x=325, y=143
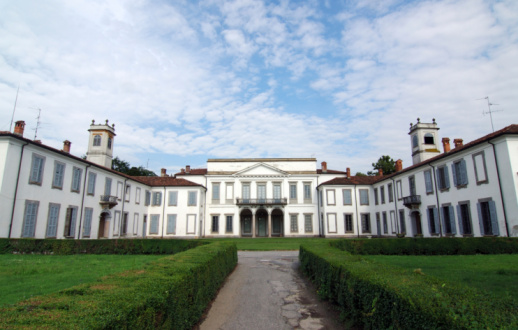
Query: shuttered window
x=153, y=226
x=464, y=216
x=348, y=223
x=59, y=173
x=229, y=228
x=294, y=227
x=443, y=178
x=487, y=217
x=433, y=220
x=364, y=197
x=87, y=226
x=173, y=198
x=366, y=223
x=29, y=218
x=70, y=222
x=347, y=196
x=428, y=182
x=192, y=199
x=38, y=163
x=448, y=220
x=171, y=224
x=52, y=221
x=76, y=179
x=308, y=223
x=91, y=183
x=459, y=173
x=157, y=198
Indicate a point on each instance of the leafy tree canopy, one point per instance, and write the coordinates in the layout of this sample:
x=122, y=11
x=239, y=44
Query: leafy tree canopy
x=125, y=167
x=386, y=164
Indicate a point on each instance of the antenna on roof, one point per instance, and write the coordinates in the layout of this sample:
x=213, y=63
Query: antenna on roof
x=15, y=101
x=37, y=124
x=489, y=104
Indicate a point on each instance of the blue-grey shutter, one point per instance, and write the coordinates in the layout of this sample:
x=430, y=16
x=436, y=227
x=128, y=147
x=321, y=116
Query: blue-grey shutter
x=52, y=225
x=436, y=219
x=459, y=216
x=438, y=176
x=454, y=174
x=428, y=181
x=452, y=220
x=31, y=210
x=347, y=197
x=463, y=173
x=429, y=221
x=88, y=221
x=480, y=220
x=108, y=187
x=446, y=178
x=73, y=222
x=171, y=223
x=442, y=220
x=494, y=218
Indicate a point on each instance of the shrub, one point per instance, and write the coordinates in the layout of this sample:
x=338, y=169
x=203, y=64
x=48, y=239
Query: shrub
x=380, y=296
x=171, y=292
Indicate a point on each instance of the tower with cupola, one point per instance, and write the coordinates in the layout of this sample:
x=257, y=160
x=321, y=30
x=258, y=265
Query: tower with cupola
x=100, y=144
x=424, y=140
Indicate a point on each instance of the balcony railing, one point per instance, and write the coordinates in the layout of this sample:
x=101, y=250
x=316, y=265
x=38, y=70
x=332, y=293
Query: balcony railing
x=108, y=201
x=261, y=201
x=412, y=201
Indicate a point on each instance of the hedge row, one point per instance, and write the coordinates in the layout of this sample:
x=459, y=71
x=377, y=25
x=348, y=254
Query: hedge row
x=171, y=292
x=429, y=246
x=377, y=296
x=103, y=246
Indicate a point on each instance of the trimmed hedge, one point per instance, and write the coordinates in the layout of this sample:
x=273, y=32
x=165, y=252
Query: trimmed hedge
x=102, y=246
x=378, y=296
x=429, y=246
x=171, y=292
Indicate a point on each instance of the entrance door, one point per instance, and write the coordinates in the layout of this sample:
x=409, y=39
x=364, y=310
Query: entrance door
x=261, y=224
x=103, y=226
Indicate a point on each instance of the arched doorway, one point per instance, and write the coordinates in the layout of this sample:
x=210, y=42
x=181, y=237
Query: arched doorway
x=261, y=223
x=104, y=224
x=246, y=222
x=416, y=223
x=277, y=223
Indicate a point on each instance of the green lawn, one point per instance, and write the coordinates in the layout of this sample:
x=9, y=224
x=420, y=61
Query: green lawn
x=270, y=244
x=496, y=273
x=25, y=276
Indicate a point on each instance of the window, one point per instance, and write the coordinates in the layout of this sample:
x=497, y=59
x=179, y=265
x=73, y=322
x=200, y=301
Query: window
x=330, y=194
x=229, y=192
x=153, y=225
x=230, y=221
x=173, y=198
x=411, y=185
x=402, y=222
x=390, y=193
x=76, y=179
x=37, y=165
x=459, y=173
x=415, y=142
x=331, y=222
x=97, y=140
x=382, y=194
x=443, y=178
x=148, y=198
x=385, y=223
x=293, y=192
x=366, y=222
x=70, y=222
x=261, y=192
x=29, y=218
x=119, y=189
x=215, y=223
x=137, y=195
x=428, y=182
x=246, y=192
x=376, y=196
x=293, y=223
x=348, y=223
x=127, y=193
x=399, y=188
x=428, y=138
x=347, y=197
x=109, y=142
x=171, y=224
x=364, y=197
x=157, y=198
x=479, y=161
x=192, y=198
x=487, y=218
x=191, y=223
x=135, y=224
x=448, y=220
x=124, y=228
x=107, y=187
x=87, y=224
x=215, y=192
x=465, y=227
x=393, y=221
x=307, y=192
x=91, y=183
x=433, y=220
x=116, y=222
x=321, y=198
x=59, y=174
x=308, y=223
x=277, y=192
x=52, y=221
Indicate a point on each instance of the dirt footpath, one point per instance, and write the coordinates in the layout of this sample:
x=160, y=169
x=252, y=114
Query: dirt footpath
x=267, y=291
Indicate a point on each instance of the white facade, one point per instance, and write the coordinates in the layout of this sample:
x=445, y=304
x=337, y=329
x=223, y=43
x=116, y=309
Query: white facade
x=471, y=190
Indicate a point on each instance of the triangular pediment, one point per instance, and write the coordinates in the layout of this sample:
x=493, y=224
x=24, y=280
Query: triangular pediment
x=261, y=169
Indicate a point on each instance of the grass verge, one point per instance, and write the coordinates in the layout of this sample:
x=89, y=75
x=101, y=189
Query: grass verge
x=270, y=244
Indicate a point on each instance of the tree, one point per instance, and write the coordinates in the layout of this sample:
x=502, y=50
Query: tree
x=125, y=167
x=360, y=174
x=386, y=164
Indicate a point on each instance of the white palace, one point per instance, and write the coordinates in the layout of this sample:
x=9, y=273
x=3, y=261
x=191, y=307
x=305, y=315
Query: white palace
x=466, y=190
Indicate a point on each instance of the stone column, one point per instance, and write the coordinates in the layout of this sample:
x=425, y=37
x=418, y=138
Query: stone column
x=270, y=224
x=253, y=224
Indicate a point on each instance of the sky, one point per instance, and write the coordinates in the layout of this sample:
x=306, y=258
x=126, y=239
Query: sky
x=186, y=81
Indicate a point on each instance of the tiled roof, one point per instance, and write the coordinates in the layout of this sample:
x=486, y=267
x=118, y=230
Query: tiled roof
x=355, y=180
x=194, y=171
x=164, y=181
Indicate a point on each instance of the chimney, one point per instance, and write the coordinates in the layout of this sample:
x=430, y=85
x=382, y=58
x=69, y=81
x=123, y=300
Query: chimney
x=446, y=144
x=37, y=141
x=163, y=172
x=188, y=169
x=457, y=142
x=19, y=126
x=66, y=146
x=380, y=172
x=182, y=170
x=399, y=165
x=324, y=167
x=348, y=171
